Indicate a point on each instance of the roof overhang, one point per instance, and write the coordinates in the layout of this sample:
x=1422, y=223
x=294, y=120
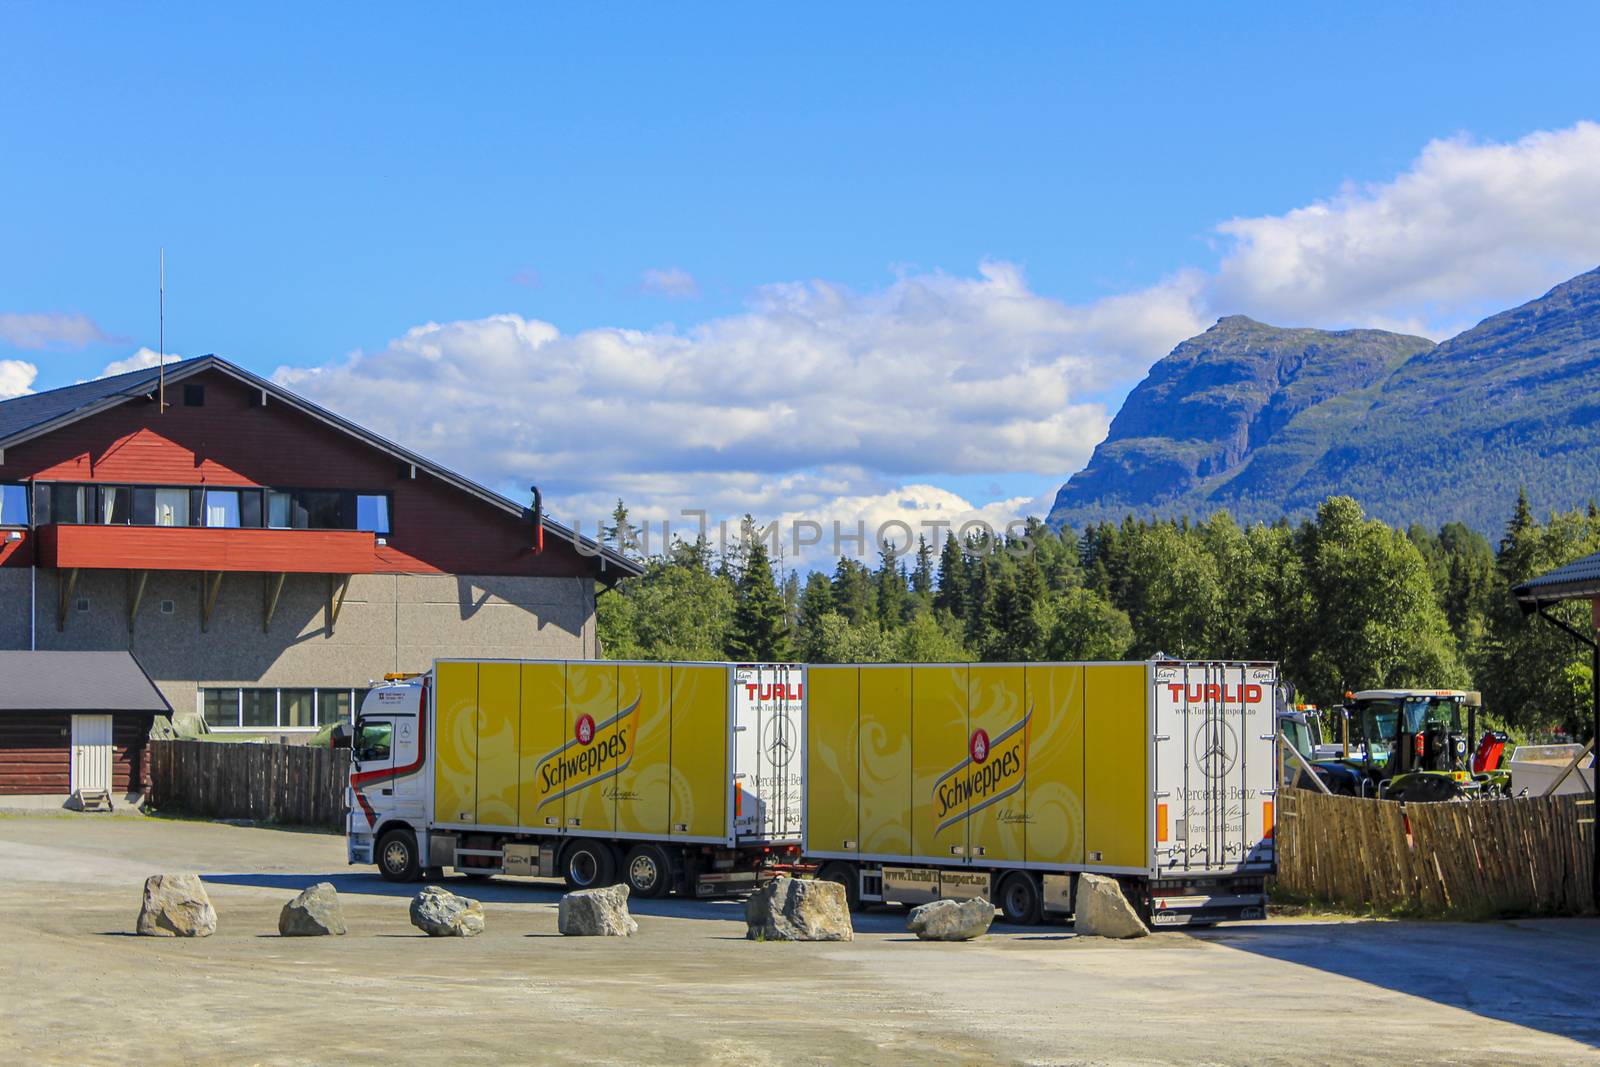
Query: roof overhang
x=606, y=559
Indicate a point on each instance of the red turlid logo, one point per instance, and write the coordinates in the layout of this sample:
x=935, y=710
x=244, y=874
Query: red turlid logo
x=980, y=746
x=584, y=729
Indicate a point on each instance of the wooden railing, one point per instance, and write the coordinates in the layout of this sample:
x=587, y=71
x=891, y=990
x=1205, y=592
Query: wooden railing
x=294, y=785
x=1477, y=859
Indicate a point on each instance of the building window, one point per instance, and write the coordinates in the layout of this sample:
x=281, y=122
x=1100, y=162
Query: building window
x=172, y=507
x=297, y=708
x=260, y=708
x=372, y=513
x=221, y=707
x=333, y=705
x=222, y=508
x=13, y=505
x=70, y=503
x=116, y=505
x=275, y=709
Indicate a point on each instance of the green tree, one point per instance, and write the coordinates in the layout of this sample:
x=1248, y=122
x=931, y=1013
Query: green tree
x=853, y=594
x=1085, y=626
x=760, y=630
x=893, y=599
x=922, y=573
x=1378, y=621
x=952, y=594
x=930, y=637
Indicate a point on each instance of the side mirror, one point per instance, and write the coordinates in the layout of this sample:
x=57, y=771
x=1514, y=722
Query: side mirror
x=342, y=736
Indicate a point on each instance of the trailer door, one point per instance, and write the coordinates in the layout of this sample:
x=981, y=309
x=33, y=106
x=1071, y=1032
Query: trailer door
x=768, y=727
x=1214, y=766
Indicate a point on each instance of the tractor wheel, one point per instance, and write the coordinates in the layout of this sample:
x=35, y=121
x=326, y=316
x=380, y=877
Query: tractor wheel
x=846, y=875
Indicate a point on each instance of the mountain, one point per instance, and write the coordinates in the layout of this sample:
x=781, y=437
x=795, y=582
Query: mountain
x=1266, y=422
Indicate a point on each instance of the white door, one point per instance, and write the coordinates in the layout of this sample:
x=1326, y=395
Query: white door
x=91, y=753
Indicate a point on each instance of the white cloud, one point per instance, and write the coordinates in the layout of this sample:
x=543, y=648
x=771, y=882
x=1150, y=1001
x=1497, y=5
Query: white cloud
x=16, y=378
x=670, y=281
x=830, y=404
x=1469, y=229
x=145, y=357
x=813, y=394
x=48, y=329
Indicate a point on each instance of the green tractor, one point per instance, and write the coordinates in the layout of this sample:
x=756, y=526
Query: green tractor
x=1414, y=746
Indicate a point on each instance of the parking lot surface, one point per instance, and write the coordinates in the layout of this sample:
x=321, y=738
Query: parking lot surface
x=80, y=989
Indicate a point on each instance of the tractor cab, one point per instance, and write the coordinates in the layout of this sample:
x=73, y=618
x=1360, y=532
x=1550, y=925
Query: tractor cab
x=1416, y=745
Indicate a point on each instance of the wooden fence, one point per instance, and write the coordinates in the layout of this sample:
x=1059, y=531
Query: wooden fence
x=291, y=784
x=1531, y=855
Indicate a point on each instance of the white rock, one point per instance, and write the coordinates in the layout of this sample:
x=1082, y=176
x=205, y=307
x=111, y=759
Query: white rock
x=599, y=912
x=441, y=913
x=1103, y=911
x=176, y=905
x=314, y=912
x=951, y=920
x=794, y=909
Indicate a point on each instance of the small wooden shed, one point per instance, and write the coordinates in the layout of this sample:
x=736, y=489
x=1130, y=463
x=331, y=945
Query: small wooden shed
x=75, y=729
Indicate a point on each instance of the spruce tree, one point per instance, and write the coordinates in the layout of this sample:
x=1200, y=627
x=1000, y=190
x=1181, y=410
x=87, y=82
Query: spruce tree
x=952, y=594
x=760, y=631
x=922, y=573
x=890, y=585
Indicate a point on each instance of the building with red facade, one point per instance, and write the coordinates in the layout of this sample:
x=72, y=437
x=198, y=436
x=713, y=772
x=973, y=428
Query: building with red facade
x=261, y=557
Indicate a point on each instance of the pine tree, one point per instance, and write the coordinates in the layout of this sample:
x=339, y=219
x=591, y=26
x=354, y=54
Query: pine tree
x=890, y=585
x=621, y=534
x=922, y=573
x=760, y=631
x=952, y=594
x=853, y=594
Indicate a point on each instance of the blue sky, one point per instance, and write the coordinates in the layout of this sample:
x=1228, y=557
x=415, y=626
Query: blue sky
x=326, y=182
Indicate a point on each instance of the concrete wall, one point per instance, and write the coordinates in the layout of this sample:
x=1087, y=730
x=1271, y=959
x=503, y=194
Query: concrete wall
x=387, y=623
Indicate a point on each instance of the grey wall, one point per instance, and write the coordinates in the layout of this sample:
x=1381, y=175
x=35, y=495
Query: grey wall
x=386, y=623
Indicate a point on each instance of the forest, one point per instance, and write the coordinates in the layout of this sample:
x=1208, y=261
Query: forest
x=1342, y=601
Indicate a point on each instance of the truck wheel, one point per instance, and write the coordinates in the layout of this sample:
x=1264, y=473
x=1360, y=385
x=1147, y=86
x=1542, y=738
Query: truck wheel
x=845, y=874
x=397, y=856
x=648, y=872
x=587, y=865
x=1019, y=899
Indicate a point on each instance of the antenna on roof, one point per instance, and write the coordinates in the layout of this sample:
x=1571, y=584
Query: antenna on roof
x=161, y=337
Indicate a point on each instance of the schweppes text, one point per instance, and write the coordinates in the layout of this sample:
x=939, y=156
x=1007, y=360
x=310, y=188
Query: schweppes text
x=600, y=751
x=993, y=770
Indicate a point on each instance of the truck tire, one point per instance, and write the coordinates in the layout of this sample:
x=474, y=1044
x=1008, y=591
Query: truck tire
x=397, y=856
x=846, y=875
x=648, y=872
x=1020, y=900
x=587, y=864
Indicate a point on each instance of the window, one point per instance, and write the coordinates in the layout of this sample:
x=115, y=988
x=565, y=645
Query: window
x=221, y=707
x=372, y=744
x=260, y=708
x=116, y=505
x=372, y=513
x=324, y=509
x=280, y=510
x=275, y=709
x=13, y=505
x=333, y=705
x=172, y=507
x=222, y=508
x=70, y=503
x=297, y=708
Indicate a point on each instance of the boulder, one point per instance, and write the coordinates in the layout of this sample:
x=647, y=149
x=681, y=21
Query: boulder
x=596, y=913
x=1103, y=910
x=440, y=913
x=951, y=920
x=794, y=909
x=314, y=912
x=176, y=905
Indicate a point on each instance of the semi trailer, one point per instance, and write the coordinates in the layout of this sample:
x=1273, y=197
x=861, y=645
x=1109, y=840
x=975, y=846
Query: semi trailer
x=668, y=776
x=1010, y=781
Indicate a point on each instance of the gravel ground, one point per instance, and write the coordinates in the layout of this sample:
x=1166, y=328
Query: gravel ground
x=80, y=989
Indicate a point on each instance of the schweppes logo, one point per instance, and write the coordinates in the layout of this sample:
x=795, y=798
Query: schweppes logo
x=596, y=752
x=993, y=770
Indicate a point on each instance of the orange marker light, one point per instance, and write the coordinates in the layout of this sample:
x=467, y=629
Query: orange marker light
x=1161, y=822
x=1266, y=819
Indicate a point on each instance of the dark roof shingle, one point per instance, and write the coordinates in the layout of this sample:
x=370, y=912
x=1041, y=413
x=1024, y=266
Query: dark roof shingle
x=23, y=413
x=1578, y=580
x=77, y=681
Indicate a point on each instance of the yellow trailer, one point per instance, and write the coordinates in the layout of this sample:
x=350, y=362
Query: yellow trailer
x=593, y=771
x=1009, y=780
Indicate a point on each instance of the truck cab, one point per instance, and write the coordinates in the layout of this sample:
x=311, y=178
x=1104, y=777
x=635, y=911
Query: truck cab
x=387, y=794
